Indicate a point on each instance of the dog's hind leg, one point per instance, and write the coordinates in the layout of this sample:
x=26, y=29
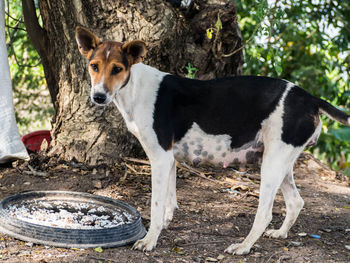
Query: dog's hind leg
x=278, y=158
x=294, y=204
x=171, y=201
x=162, y=162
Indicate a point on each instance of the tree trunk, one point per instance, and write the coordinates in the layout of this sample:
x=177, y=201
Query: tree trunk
x=174, y=37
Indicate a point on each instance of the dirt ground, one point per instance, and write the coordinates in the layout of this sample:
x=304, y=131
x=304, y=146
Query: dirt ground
x=216, y=208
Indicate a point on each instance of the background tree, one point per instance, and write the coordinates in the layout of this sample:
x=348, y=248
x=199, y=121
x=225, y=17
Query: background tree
x=174, y=37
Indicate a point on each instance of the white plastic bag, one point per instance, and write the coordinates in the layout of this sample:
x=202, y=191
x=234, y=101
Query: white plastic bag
x=11, y=146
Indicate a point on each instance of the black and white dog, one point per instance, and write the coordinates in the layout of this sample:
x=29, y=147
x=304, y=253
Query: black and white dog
x=223, y=121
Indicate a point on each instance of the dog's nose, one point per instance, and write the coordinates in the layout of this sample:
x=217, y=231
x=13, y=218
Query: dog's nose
x=99, y=98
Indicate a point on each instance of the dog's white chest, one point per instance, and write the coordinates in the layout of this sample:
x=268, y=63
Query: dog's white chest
x=197, y=147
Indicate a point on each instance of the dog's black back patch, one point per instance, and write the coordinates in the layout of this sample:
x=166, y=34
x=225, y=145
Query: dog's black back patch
x=235, y=106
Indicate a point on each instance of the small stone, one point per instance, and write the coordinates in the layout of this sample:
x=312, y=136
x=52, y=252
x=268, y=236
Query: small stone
x=326, y=230
x=196, y=259
x=295, y=243
x=97, y=184
x=347, y=230
x=26, y=183
x=29, y=244
x=347, y=247
x=210, y=259
x=302, y=234
x=220, y=257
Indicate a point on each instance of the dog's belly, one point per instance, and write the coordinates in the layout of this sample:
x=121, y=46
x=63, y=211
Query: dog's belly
x=197, y=147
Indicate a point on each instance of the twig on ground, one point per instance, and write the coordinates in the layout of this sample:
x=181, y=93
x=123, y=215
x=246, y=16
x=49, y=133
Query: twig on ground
x=273, y=255
x=243, y=196
x=185, y=167
x=201, y=243
x=36, y=173
x=192, y=170
x=135, y=160
x=131, y=168
x=252, y=177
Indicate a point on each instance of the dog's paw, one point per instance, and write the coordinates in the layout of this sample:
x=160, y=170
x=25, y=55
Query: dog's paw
x=275, y=233
x=238, y=249
x=145, y=244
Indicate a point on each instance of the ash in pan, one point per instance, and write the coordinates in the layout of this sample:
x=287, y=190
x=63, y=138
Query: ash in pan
x=68, y=214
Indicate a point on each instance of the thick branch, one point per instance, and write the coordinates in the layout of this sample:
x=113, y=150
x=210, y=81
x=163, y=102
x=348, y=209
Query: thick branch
x=40, y=41
x=36, y=33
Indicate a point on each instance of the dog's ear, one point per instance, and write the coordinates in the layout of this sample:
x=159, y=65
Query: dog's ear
x=136, y=50
x=87, y=41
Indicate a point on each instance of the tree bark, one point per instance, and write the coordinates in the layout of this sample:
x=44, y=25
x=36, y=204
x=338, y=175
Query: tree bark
x=174, y=37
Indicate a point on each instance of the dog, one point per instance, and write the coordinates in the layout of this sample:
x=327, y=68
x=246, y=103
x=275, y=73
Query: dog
x=233, y=120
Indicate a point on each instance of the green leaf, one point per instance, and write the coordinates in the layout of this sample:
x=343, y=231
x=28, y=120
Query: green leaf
x=218, y=24
x=178, y=250
x=191, y=71
x=342, y=133
x=278, y=67
x=99, y=249
x=269, y=55
x=261, y=9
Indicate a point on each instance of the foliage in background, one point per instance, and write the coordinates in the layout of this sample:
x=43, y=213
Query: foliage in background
x=32, y=101
x=305, y=42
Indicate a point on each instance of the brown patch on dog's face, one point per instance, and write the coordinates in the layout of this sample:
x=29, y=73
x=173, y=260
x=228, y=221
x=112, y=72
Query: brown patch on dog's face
x=109, y=63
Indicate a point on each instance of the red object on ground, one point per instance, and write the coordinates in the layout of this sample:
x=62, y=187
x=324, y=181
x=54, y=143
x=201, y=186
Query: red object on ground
x=33, y=140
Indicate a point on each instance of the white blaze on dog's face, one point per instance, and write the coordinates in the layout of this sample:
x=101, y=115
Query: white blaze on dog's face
x=109, y=63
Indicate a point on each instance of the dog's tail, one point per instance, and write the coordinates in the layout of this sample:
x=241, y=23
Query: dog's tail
x=333, y=113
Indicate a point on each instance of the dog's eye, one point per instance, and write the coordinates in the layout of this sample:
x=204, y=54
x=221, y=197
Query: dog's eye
x=116, y=70
x=94, y=67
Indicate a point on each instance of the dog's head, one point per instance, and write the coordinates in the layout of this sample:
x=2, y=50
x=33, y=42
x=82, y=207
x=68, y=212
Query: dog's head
x=109, y=63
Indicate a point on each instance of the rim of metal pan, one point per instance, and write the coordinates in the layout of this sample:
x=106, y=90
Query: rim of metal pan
x=66, y=237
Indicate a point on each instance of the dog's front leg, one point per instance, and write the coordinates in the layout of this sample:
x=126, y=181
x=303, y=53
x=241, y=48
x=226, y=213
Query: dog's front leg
x=161, y=165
